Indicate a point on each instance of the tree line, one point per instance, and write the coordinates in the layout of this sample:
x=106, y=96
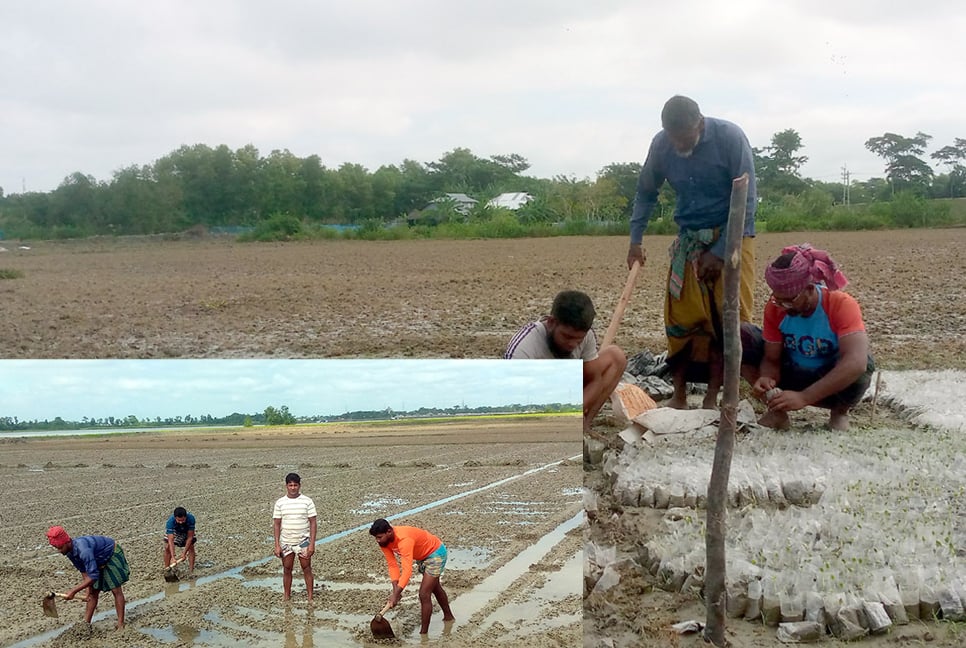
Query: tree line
x=271, y=415
x=222, y=188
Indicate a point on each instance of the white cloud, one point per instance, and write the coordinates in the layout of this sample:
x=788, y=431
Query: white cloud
x=571, y=86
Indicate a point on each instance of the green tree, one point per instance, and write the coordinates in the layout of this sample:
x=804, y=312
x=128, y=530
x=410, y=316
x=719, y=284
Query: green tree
x=136, y=202
x=624, y=175
x=386, y=182
x=356, y=204
x=605, y=202
x=777, y=166
x=194, y=168
x=461, y=171
x=280, y=416
x=318, y=189
x=784, y=145
x=953, y=156
x=564, y=197
x=281, y=188
x=871, y=190
x=245, y=185
x=904, y=169
x=536, y=211
x=515, y=164
x=74, y=205
x=416, y=187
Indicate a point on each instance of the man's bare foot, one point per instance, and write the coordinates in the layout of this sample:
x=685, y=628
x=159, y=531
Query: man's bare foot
x=838, y=421
x=775, y=419
x=678, y=403
x=449, y=618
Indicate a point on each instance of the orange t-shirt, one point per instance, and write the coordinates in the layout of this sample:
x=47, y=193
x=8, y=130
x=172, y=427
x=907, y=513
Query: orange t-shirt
x=813, y=342
x=411, y=543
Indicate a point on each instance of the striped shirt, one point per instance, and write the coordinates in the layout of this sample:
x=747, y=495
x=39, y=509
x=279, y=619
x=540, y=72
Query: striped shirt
x=530, y=343
x=294, y=513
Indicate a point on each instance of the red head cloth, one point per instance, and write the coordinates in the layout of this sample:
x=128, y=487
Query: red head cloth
x=57, y=536
x=807, y=266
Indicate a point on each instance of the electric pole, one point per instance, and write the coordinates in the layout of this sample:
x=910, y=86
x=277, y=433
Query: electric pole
x=846, y=175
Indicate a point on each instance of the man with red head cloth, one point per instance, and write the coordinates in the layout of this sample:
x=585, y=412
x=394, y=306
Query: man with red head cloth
x=101, y=560
x=813, y=348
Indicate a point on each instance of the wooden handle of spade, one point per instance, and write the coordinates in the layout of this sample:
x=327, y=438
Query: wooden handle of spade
x=82, y=599
x=615, y=320
x=383, y=611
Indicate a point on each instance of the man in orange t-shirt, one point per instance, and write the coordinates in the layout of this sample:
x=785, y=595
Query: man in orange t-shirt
x=813, y=348
x=409, y=544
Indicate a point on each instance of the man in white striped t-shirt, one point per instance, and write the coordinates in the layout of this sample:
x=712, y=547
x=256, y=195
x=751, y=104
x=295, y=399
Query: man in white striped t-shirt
x=294, y=525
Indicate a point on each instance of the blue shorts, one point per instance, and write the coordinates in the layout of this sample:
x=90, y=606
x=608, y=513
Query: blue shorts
x=434, y=563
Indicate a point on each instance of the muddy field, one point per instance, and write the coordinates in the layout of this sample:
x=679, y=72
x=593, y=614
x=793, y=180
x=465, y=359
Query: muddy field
x=515, y=548
x=216, y=298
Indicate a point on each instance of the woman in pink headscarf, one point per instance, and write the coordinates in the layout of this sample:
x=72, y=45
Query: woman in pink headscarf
x=812, y=348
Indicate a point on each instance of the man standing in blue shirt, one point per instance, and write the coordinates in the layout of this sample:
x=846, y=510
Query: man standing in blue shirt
x=101, y=560
x=699, y=157
x=180, y=532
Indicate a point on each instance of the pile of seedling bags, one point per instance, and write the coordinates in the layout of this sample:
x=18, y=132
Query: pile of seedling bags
x=852, y=532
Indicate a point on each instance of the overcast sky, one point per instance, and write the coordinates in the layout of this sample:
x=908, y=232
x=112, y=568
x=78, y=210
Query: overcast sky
x=72, y=389
x=571, y=85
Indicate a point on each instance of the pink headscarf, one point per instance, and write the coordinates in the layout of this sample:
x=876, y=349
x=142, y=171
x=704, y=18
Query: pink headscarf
x=808, y=266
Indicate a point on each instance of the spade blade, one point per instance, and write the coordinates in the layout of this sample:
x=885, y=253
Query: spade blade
x=380, y=627
x=50, y=607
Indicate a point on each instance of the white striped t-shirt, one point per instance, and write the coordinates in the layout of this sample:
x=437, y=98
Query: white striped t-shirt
x=530, y=343
x=294, y=513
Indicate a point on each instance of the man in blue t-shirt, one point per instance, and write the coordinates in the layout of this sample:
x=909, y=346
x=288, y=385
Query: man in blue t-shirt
x=180, y=532
x=101, y=561
x=699, y=157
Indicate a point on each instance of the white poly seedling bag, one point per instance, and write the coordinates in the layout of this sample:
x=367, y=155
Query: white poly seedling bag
x=667, y=420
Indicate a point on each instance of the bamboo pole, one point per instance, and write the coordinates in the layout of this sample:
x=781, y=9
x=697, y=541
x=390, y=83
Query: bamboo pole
x=714, y=579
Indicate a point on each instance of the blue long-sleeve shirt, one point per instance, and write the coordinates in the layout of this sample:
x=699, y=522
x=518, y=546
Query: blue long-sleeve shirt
x=702, y=181
x=89, y=552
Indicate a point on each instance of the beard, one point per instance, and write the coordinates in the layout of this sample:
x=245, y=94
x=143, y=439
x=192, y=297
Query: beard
x=687, y=153
x=558, y=352
x=388, y=540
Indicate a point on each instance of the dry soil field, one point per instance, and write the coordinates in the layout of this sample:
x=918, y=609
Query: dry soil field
x=217, y=298
x=515, y=548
